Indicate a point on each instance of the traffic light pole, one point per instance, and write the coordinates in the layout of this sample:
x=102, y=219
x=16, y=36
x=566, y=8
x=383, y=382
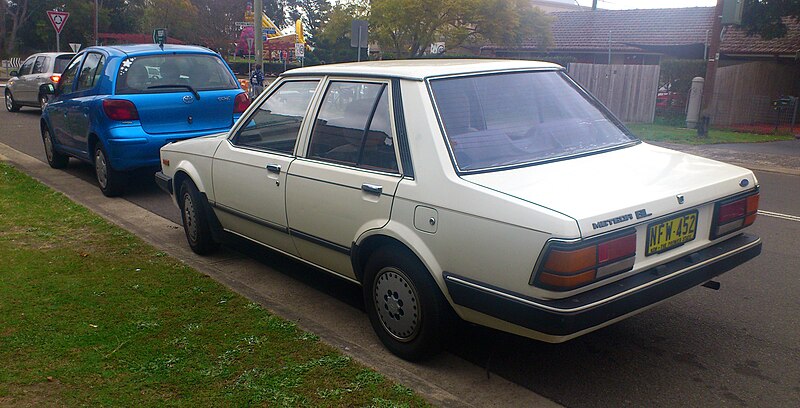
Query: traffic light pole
x=258, y=31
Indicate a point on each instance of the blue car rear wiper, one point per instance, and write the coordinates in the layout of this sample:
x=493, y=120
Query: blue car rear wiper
x=196, y=95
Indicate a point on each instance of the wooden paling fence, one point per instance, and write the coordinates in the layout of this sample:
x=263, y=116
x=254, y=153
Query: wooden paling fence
x=744, y=93
x=629, y=91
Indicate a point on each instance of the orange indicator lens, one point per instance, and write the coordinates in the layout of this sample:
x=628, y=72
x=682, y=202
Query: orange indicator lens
x=567, y=262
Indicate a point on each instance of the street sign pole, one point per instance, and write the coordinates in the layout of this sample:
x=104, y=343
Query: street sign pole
x=358, y=35
x=58, y=19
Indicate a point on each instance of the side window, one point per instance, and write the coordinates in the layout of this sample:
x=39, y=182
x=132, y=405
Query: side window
x=40, y=66
x=354, y=128
x=275, y=124
x=89, y=71
x=25, y=69
x=68, y=77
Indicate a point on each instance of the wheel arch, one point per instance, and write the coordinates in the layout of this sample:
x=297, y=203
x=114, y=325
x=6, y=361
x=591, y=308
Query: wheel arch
x=183, y=170
x=178, y=178
x=91, y=144
x=394, y=234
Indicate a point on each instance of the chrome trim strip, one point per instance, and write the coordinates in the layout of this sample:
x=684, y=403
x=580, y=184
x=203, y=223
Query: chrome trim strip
x=248, y=217
x=616, y=267
x=321, y=242
x=338, y=275
x=609, y=299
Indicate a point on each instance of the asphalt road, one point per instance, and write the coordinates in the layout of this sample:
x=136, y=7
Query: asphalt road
x=739, y=346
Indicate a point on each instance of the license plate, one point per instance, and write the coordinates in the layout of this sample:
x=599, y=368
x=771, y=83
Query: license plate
x=673, y=232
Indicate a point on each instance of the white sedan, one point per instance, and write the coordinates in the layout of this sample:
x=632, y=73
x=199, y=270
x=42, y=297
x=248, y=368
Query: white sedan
x=498, y=192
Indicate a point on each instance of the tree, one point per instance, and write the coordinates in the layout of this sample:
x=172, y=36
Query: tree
x=177, y=16
x=19, y=12
x=332, y=42
x=312, y=12
x=766, y=17
x=407, y=27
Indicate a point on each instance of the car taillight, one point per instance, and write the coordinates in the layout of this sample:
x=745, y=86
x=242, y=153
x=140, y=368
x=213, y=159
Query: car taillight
x=120, y=109
x=241, y=103
x=734, y=214
x=567, y=266
x=55, y=78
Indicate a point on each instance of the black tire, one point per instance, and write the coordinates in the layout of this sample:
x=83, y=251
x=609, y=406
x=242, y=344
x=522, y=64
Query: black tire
x=55, y=159
x=405, y=306
x=195, y=219
x=111, y=182
x=11, y=104
x=42, y=102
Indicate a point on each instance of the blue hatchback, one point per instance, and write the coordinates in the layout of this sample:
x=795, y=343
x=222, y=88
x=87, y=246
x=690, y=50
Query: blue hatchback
x=115, y=106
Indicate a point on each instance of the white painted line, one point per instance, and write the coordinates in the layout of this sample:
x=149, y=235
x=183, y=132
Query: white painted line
x=779, y=215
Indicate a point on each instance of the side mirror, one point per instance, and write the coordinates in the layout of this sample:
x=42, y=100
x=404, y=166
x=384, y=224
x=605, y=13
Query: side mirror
x=13, y=73
x=47, y=89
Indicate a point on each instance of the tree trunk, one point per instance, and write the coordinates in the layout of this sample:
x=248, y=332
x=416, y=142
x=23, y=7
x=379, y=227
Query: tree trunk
x=18, y=17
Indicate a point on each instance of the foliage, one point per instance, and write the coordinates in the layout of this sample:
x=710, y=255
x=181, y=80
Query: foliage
x=674, y=134
x=333, y=41
x=677, y=74
x=93, y=316
x=407, y=27
x=766, y=17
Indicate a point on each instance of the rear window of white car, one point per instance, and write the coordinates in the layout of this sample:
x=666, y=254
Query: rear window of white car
x=502, y=120
x=156, y=74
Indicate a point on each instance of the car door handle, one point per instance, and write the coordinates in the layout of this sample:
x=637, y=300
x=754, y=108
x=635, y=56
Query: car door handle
x=372, y=189
x=274, y=168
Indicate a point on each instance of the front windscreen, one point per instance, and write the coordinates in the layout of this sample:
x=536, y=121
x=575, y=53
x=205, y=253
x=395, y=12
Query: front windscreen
x=508, y=119
x=172, y=73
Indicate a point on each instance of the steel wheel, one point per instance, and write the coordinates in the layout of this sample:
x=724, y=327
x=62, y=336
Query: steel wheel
x=55, y=159
x=195, y=215
x=48, y=145
x=406, y=308
x=189, y=217
x=397, y=303
x=112, y=182
x=11, y=106
x=101, y=168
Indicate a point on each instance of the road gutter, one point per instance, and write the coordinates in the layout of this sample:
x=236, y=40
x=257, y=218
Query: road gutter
x=447, y=380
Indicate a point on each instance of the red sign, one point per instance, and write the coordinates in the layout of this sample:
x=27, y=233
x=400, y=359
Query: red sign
x=58, y=18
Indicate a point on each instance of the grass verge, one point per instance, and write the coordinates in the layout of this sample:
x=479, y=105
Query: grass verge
x=662, y=133
x=92, y=315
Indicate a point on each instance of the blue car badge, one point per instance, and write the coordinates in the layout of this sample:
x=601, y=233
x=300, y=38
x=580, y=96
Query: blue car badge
x=188, y=99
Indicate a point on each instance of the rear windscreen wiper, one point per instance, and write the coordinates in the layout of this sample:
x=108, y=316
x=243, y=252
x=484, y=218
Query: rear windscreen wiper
x=196, y=95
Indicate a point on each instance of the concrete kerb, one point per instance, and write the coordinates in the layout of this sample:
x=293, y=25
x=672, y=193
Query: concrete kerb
x=445, y=381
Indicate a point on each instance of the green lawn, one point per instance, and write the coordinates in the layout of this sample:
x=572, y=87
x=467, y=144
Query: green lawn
x=91, y=315
x=662, y=133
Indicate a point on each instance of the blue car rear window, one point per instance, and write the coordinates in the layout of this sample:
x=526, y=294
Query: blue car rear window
x=155, y=73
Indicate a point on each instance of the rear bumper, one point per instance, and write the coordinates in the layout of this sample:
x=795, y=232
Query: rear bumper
x=563, y=319
x=131, y=148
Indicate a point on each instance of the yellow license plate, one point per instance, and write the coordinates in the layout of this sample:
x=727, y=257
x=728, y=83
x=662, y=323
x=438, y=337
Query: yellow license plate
x=674, y=232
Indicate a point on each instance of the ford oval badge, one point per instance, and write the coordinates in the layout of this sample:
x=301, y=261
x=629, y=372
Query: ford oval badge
x=188, y=99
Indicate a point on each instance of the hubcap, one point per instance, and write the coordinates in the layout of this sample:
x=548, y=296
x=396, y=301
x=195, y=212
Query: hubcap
x=43, y=102
x=189, y=217
x=48, y=146
x=397, y=304
x=100, y=168
x=9, y=101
